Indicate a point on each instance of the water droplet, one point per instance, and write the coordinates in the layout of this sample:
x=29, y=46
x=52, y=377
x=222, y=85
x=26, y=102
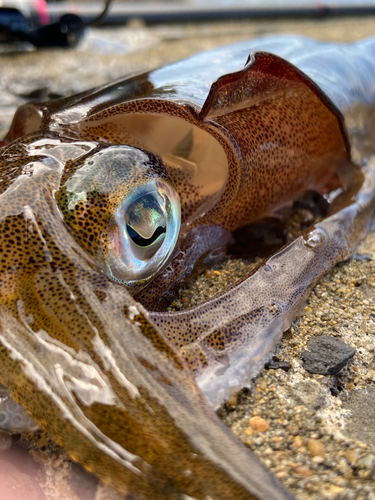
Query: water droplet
x=315, y=238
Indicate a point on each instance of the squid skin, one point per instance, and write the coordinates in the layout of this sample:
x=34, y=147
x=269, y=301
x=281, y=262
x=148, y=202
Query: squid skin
x=106, y=378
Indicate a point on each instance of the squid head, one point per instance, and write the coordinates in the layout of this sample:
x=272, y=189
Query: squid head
x=121, y=207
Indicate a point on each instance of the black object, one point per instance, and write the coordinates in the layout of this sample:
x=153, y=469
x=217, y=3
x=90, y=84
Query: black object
x=66, y=32
x=327, y=355
x=15, y=27
x=277, y=365
x=335, y=392
x=13, y=24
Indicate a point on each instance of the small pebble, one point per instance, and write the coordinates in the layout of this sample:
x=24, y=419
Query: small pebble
x=316, y=448
x=303, y=470
x=262, y=385
x=259, y=424
x=281, y=474
x=297, y=442
x=293, y=430
x=351, y=456
x=335, y=490
x=277, y=365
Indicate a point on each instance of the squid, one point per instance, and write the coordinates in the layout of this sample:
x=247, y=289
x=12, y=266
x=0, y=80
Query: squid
x=110, y=199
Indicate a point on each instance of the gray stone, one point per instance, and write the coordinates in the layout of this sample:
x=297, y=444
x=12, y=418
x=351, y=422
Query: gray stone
x=310, y=394
x=361, y=422
x=326, y=355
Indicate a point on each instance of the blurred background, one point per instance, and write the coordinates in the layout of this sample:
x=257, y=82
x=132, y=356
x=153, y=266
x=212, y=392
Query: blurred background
x=56, y=48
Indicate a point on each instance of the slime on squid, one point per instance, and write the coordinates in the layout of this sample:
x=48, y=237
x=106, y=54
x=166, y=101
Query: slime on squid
x=108, y=201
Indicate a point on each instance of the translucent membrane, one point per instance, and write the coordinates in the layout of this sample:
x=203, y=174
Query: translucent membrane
x=194, y=159
x=227, y=339
x=13, y=417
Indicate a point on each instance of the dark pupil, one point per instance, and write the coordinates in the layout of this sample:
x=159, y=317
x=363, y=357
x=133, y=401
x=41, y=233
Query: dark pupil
x=144, y=242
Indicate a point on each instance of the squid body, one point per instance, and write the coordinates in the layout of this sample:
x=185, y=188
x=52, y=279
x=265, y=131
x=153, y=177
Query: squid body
x=109, y=199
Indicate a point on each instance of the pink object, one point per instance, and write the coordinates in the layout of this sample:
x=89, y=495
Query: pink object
x=20, y=476
x=42, y=10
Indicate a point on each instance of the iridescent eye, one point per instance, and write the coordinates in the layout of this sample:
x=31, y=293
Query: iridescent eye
x=122, y=209
x=145, y=232
x=146, y=222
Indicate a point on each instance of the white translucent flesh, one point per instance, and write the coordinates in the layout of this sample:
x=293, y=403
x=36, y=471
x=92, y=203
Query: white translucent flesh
x=194, y=159
x=13, y=417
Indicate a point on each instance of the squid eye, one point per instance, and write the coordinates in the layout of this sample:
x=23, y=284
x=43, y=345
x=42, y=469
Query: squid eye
x=144, y=233
x=145, y=223
x=121, y=208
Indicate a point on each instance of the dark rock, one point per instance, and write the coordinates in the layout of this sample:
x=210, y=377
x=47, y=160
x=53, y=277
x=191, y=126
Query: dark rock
x=326, y=355
x=335, y=392
x=277, y=365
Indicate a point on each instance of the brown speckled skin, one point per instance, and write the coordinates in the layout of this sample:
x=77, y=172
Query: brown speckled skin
x=104, y=377
x=288, y=133
x=55, y=308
